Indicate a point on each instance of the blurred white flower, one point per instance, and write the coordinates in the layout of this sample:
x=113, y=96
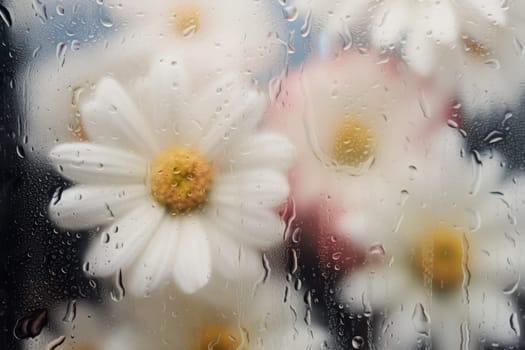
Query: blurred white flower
x=351, y=118
x=240, y=34
x=81, y=326
x=443, y=258
x=474, y=47
x=267, y=315
x=176, y=178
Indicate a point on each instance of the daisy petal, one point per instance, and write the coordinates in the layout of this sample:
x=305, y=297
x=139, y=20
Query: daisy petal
x=265, y=150
x=232, y=260
x=164, y=92
x=239, y=115
x=494, y=313
x=419, y=51
x=82, y=207
x=261, y=188
x=89, y=163
x=493, y=10
x=374, y=288
x=399, y=332
x=390, y=23
x=192, y=266
x=154, y=265
x=119, y=245
x=111, y=117
x=259, y=227
x=442, y=22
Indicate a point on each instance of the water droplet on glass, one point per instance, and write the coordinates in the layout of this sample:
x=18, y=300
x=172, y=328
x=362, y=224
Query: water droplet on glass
x=106, y=21
x=515, y=324
x=6, y=16
x=421, y=320
x=118, y=292
x=71, y=311
x=61, y=53
x=31, y=325
x=60, y=10
x=20, y=151
x=306, y=28
x=75, y=45
x=55, y=343
x=358, y=342
x=290, y=13
x=513, y=287
x=40, y=9
x=493, y=63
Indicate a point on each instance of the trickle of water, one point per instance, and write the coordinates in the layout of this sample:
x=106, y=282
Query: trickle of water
x=421, y=320
x=358, y=342
x=306, y=28
x=5, y=15
x=515, y=324
x=61, y=53
x=118, y=291
x=71, y=311
x=55, y=343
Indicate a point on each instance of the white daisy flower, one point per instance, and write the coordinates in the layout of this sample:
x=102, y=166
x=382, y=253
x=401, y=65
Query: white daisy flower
x=474, y=47
x=237, y=34
x=266, y=316
x=50, y=101
x=443, y=254
x=175, y=178
x=80, y=326
x=351, y=118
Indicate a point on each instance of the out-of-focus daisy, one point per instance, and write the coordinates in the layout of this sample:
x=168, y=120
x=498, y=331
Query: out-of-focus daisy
x=266, y=316
x=240, y=34
x=443, y=254
x=176, y=178
x=80, y=326
x=349, y=118
x=474, y=47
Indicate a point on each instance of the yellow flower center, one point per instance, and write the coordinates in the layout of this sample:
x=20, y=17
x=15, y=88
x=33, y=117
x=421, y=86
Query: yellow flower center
x=475, y=48
x=440, y=255
x=354, y=142
x=187, y=18
x=220, y=337
x=180, y=177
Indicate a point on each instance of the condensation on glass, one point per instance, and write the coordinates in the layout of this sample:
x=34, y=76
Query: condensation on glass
x=262, y=174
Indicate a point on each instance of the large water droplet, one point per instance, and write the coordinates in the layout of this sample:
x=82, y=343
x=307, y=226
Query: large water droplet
x=71, y=311
x=118, y=292
x=31, y=325
x=5, y=15
x=421, y=320
x=290, y=13
x=358, y=342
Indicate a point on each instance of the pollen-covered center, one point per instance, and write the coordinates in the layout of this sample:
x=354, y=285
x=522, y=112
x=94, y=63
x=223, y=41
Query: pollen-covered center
x=180, y=178
x=221, y=337
x=353, y=142
x=187, y=18
x=439, y=255
x=475, y=48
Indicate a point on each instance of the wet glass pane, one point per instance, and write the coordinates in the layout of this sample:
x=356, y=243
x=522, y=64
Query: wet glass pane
x=262, y=174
